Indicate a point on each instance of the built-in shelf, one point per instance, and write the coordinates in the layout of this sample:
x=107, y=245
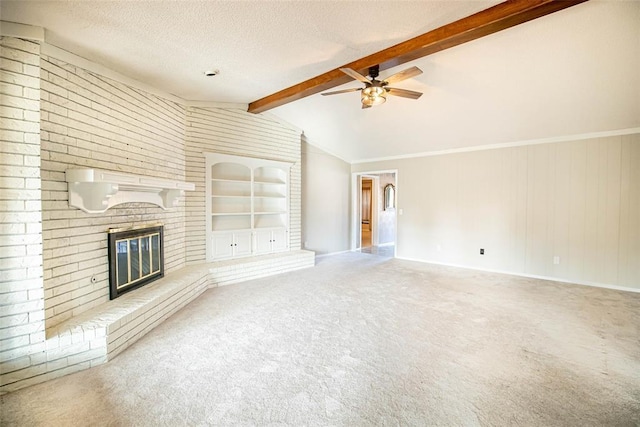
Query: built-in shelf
x=248, y=207
x=246, y=181
x=96, y=190
x=230, y=213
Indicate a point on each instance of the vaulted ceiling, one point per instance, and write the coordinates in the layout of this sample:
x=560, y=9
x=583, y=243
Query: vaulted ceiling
x=571, y=72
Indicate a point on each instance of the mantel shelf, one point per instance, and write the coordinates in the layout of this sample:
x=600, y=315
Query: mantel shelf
x=96, y=190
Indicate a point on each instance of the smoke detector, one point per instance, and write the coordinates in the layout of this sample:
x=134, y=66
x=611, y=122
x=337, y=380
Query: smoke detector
x=211, y=73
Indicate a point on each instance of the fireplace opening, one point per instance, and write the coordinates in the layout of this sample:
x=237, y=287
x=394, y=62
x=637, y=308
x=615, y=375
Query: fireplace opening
x=136, y=258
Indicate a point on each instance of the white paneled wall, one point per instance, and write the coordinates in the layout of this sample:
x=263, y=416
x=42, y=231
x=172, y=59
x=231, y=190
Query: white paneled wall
x=91, y=121
x=239, y=133
x=22, y=328
x=578, y=201
x=386, y=218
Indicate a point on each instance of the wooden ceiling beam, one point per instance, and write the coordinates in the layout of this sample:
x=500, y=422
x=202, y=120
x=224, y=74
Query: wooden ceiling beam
x=499, y=17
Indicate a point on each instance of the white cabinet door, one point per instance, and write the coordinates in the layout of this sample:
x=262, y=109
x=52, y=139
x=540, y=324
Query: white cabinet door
x=222, y=245
x=262, y=242
x=270, y=240
x=279, y=240
x=231, y=244
x=242, y=243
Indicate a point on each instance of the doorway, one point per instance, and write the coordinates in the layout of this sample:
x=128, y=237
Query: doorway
x=373, y=217
x=366, y=211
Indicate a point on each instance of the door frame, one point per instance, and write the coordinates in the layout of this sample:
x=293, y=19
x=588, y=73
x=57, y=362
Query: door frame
x=356, y=207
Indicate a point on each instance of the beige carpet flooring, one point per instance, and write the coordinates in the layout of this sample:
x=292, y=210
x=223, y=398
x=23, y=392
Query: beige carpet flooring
x=362, y=340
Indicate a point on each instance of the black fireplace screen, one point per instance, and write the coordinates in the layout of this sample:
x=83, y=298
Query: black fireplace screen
x=135, y=258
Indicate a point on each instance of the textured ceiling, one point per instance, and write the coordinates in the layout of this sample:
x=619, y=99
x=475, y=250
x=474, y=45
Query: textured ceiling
x=571, y=72
x=259, y=47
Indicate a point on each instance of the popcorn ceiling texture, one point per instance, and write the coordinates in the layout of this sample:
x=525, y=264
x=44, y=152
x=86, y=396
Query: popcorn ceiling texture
x=260, y=46
x=568, y=73
x=365, y=340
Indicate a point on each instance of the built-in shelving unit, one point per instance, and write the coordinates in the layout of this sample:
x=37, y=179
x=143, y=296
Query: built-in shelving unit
x=247, y=206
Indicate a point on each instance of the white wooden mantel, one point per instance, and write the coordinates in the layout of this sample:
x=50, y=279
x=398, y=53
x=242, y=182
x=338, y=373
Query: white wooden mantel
x=96, y=190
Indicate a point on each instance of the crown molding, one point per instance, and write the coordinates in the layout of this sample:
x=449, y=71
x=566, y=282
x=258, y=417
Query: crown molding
x=21, y=31
x=550, y=140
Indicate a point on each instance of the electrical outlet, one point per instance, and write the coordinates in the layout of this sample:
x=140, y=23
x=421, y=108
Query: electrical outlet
x=481, y=251
x=439, y=248
x=556, y=260
x=401, y=211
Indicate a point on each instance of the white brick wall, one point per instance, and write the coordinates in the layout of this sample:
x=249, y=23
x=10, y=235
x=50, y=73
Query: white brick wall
x=55, y=116
x=239, y=133
x=21, y=287
x=92, y=121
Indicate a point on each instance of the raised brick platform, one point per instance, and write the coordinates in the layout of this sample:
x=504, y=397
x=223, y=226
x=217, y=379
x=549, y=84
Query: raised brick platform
x=101, y=333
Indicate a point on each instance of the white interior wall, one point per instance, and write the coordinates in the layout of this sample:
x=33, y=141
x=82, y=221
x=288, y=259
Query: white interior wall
x=386, y=218
x=326, y=183
x=577, y=200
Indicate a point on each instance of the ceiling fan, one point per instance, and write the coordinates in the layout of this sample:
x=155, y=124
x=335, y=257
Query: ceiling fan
x=375, y=91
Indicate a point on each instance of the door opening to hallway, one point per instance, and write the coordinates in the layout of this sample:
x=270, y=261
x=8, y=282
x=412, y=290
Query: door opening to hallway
x=365, y=240
x=375, y=216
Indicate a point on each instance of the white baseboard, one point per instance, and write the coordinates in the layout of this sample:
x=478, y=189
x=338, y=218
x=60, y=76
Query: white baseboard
x=386, y=244
x=333, y=253
x=533, y=276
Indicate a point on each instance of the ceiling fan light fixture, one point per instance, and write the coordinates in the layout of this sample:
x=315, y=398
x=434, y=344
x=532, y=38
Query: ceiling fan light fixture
x=375, y=91
x=373, y=95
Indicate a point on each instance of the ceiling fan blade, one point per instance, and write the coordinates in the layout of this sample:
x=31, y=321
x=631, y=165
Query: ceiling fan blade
x=341, y=91
x=403, y=75
x=355, y=75
x=403, y=93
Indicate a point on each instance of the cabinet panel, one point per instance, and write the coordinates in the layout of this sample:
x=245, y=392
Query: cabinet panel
x=279, y=240
x=231, y=244
x=262, y=242
x=222, y=245
x=270, y=240
x=242, y=243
